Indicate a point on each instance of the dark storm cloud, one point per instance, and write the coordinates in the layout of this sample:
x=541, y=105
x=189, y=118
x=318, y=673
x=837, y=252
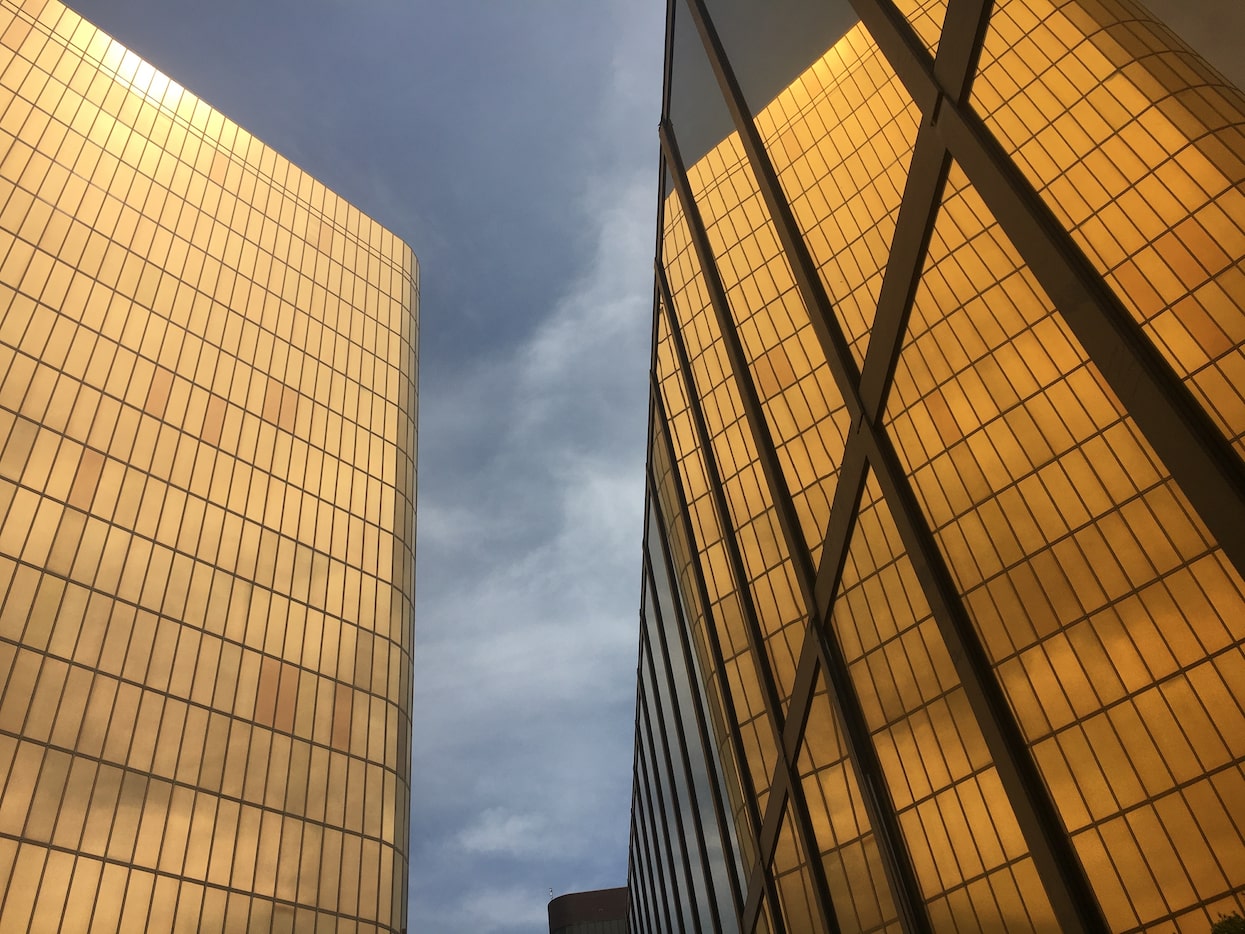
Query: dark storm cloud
x=512, y=144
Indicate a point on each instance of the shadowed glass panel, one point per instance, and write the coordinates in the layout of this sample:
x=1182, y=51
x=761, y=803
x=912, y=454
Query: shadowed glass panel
x=718, y=684
x=705, y=784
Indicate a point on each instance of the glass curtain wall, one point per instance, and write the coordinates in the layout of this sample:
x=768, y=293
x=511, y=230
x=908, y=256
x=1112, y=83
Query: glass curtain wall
x=946, y=495
x=207, y=514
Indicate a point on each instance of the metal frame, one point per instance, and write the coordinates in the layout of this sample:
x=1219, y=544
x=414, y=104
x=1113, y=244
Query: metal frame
x=660, y=425
x=785, y=784
x=702, y=735
x=1202, y=462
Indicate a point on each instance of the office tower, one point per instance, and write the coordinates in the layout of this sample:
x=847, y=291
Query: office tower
x=943, y=612
x=601, y=911
x=207, y=481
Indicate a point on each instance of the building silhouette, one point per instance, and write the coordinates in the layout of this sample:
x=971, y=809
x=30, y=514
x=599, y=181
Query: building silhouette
x=600, y=911
x=943, y=613
x=207, y=482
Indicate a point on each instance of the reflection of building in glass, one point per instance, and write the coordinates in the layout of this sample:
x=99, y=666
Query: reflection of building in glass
x=602, y=911
x=207, y=443
x=943, y=608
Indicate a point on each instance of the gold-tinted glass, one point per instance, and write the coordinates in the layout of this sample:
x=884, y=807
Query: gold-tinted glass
x=686, y=567
x=1138, y=147
x=803, y=408
x=793, y=879
x=755, y=522
x=207, y=423
x=850, y=856
x=840, y=138
x=970, y=858
x=1113, y=621
x=926, y=18
x=742, y=667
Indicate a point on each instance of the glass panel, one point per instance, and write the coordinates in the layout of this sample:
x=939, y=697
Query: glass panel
x=1136, y=144
x=705, y=786
x=164, y=288
x=754, y=521
x=769, y=46
x=1112, y=620
x=965, y=844
x=850, y=855
x=926, y=18
x=840, y=138
x=803, y=408
x=685, y=562
x=791, y=875
x=740, y=663
x=670, y=797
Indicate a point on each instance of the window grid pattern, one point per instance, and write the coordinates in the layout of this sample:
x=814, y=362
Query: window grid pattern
x=693, y=611
x=206, y=512
x=796, y=898
x=742, y=666
x=840, y=138
x=742, y=239
x=1139, y=148
x=1095, y=598
x=859, y=889
x=1096, y=592
x=970, y=857
x=925, y=17
x=804, y=410
x=754, y=522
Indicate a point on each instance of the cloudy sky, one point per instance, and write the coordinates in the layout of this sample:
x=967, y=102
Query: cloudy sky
x=512, y=144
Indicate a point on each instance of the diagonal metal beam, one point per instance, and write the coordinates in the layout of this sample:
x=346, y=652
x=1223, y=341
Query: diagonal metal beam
x=1201, y=460
x=743, y=772
x=1055, y=858
x=679, y=626
x=780, y=500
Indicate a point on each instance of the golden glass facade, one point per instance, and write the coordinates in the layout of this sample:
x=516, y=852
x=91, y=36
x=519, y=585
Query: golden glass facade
x=207, y=511
x=943, y=617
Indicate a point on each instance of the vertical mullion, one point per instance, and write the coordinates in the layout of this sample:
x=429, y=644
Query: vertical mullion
x=663, y=735
x=681, y=742
x=639, y=809
x=716, y=776
x=663, y=887
x=634, y=883
x=779, y=495
x=742, y=770
x=639, y=832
